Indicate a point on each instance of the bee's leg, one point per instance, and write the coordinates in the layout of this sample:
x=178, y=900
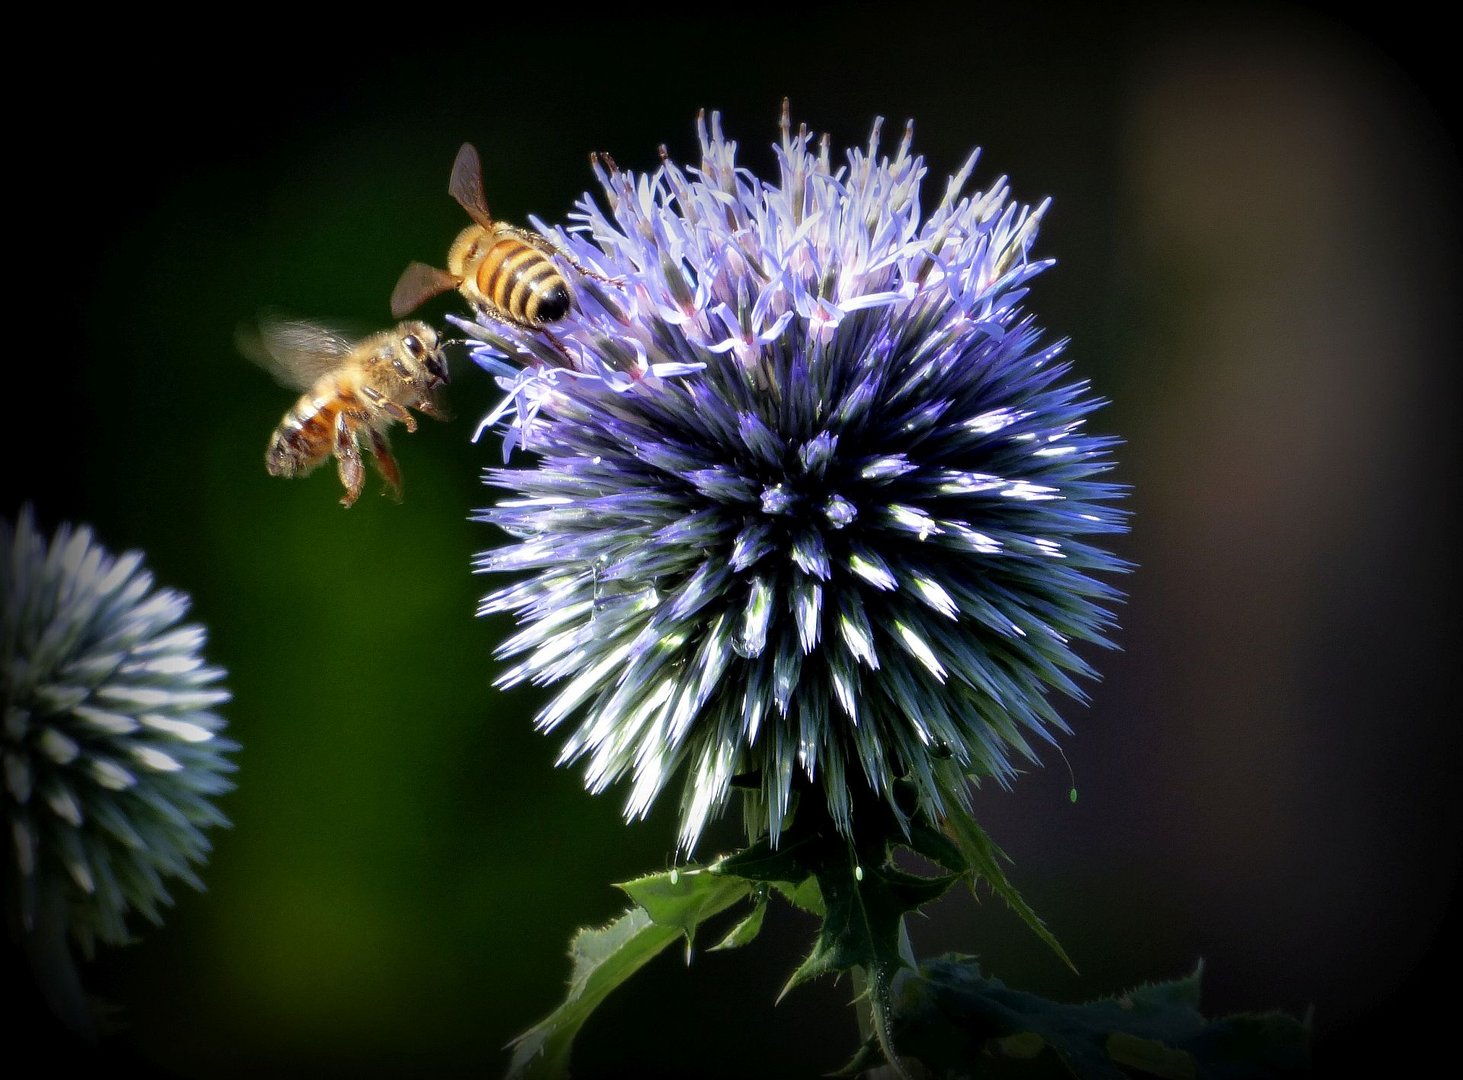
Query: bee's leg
x=508, y=320
x=348, y=459
x=617, y=282
x=433, y=408
x=531, y=238
x=386, y=463
x=556, y=343
x=548, y=247
x=390, y=408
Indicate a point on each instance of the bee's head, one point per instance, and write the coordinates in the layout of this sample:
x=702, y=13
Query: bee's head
x=419, y=359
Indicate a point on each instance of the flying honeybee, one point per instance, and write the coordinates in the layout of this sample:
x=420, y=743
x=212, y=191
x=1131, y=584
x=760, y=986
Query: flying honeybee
x=353, y=391
x=505, y=272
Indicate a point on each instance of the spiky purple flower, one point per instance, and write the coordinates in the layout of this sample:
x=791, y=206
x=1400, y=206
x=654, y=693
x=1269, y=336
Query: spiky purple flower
x=813, y=498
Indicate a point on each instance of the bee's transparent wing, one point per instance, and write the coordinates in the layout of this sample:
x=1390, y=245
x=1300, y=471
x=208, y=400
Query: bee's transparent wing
x=296, y=352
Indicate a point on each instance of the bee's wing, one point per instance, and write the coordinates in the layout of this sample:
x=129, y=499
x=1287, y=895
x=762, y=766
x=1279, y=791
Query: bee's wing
x=466, y=185
x=418, y=284
x=296, y=352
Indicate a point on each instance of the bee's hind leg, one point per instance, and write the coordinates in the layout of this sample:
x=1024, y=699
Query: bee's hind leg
x=386, y=463
x=348, y=460
x=550, y=247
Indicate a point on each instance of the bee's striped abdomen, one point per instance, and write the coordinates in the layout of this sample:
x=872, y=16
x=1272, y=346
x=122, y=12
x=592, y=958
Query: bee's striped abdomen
x=521, y=280
x=306, y=435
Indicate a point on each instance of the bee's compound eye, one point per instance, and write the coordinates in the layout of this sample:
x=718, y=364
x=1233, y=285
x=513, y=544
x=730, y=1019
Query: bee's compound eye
x=413, y=344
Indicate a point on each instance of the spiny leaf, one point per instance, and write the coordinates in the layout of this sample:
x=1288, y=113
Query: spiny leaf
x=790, y=863
x=744, y=931
x=863, y=931
x=1181, y=992
x=683, y=899
x=787, y=868
x=958, y=1023
x=603, y=959
x=983, y=860
x=1151, y=1057
x=805, y=897
x=929, y=841
x=672, y=905
x=865, y=911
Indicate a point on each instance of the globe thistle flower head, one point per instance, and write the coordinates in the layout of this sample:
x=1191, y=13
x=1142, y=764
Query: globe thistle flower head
x=112, y=752
x=814, y=503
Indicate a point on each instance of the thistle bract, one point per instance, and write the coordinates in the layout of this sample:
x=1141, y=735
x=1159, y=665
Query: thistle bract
x=813, y=497
x=111, y=751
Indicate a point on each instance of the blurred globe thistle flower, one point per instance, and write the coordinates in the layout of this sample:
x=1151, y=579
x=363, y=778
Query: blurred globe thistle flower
x=111, y=750
x=813, y=502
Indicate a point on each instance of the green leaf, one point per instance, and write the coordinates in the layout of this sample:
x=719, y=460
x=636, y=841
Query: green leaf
x=929, y=841
x=863, y=931
x=671, y=906
x=683, y=899
x=744, y=931
x=958, y=1023
x=806, y=896
x=1151, y=1057
x=602, y=959
x=791, y=863
x=787, y=868
x=865, y=910
x=983, y=860
x=1180, y=992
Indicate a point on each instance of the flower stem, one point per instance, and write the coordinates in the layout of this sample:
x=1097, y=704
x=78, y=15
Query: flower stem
x=866, y=1009
x=863, y=1004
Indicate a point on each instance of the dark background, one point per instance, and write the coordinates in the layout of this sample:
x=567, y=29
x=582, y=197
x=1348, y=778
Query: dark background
x=1256, y=228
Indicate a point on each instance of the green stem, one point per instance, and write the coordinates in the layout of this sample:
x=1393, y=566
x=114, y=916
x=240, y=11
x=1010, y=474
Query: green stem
x=870, y=1026
x=863, y=1004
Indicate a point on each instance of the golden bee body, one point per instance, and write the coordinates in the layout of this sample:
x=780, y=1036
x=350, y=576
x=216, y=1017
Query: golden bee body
x=504, y=272
x=354, y=392
x=507, y=273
